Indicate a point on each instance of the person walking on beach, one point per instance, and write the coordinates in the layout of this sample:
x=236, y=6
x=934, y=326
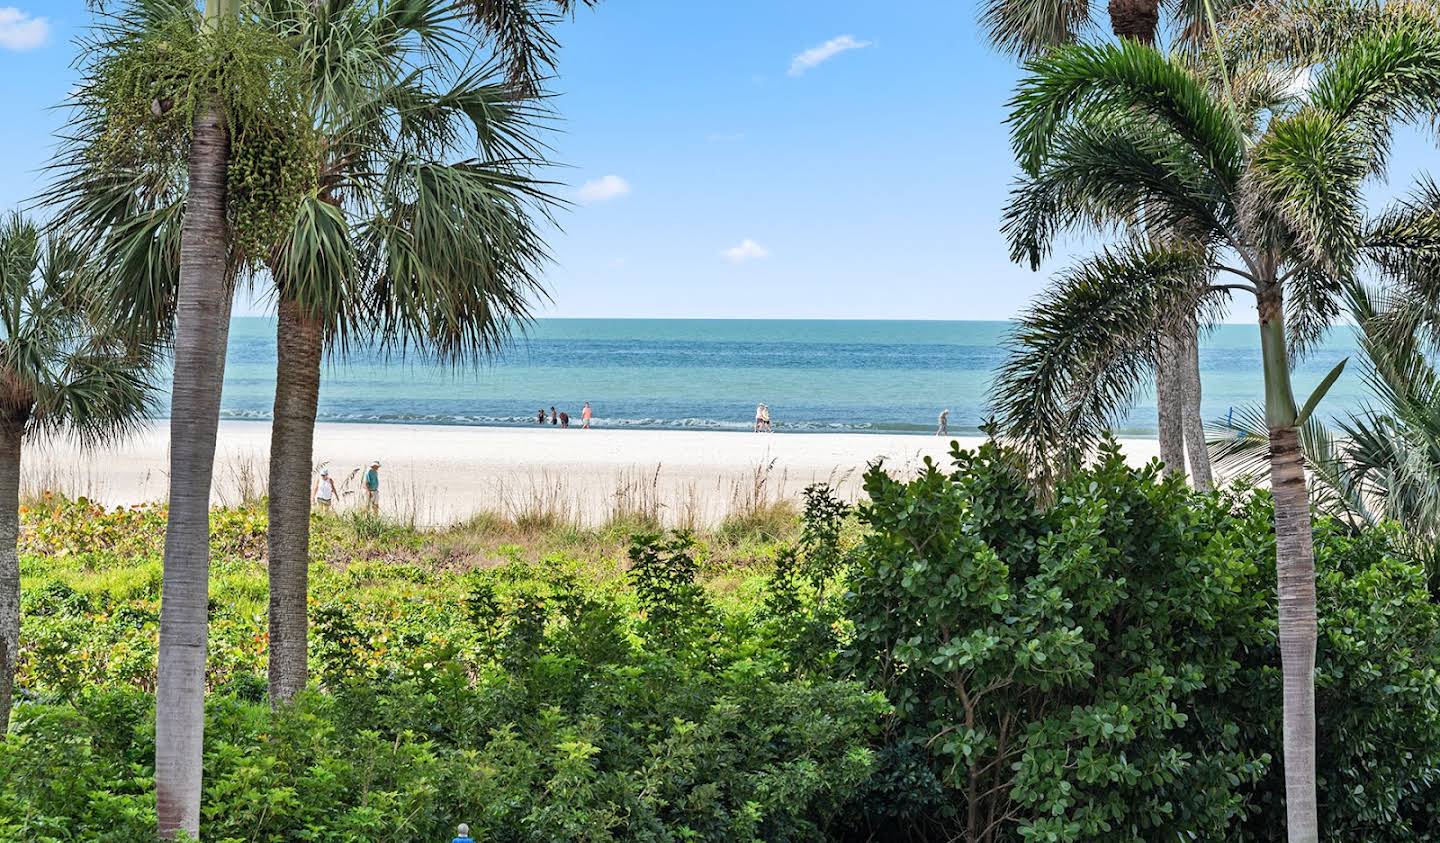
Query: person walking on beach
x=324, y=491
x=540, y=416
x=944, y=426
x=372, y=487
x=585, y=414
x=564, y=419
x=554, y=416
x=762, y=418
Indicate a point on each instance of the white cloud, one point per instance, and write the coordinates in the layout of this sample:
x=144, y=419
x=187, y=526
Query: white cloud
x=20, y=31
x=747, y=250
x=603, y=189
x=830, y=49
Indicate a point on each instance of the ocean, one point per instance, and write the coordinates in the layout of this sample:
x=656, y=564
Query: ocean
x=816, y=376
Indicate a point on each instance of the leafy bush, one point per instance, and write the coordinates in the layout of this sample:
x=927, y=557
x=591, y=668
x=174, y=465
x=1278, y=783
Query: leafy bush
x=1099, y=667
x=1105, y=667
x=529, y=701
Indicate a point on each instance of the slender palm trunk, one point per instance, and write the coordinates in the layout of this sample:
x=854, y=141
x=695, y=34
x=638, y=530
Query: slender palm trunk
x=299, y=344
x=202, y=328
x=1294, y=575
x=1170, y=405
x=1201, y=476
x=11, y=431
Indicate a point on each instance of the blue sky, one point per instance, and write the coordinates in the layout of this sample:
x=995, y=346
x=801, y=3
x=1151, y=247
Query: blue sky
x=751, y=158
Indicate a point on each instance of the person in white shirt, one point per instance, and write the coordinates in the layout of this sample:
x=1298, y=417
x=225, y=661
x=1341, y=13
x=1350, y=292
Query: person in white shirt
x=324, y=491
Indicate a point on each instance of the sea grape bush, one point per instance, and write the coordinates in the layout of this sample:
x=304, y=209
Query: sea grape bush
x=952, y=659
x=1103, y=667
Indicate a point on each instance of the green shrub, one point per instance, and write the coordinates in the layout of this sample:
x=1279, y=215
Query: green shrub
x=1103, y=664
x=1104, y=667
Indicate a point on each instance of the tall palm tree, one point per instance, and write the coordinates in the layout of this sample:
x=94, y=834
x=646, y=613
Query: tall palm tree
x=202, y=328
x=64, y=367
x=1030, y=27
x=168, y=243
x=1261, y=186
x=400, y=245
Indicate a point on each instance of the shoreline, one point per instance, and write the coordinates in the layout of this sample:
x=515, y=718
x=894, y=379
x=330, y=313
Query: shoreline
x=434, y=474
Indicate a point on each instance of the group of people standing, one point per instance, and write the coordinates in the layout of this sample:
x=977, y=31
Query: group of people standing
x=562, y=418
x=326, y=493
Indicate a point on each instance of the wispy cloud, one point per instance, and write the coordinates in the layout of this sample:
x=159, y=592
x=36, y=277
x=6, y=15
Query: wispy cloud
x=746, y=250
x=823, y=53
x=20, y=31
x=603, y=189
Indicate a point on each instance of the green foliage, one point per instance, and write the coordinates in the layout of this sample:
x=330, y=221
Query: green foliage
x=532, y=701
x=1116, y=644
x=1105, y=667
x=157, y=66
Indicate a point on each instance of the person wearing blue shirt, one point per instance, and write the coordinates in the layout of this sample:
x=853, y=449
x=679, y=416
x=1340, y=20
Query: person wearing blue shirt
x=463, y=835
x=372, y=487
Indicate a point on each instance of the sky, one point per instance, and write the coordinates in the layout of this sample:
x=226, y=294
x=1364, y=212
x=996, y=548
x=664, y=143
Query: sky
x=751, y=158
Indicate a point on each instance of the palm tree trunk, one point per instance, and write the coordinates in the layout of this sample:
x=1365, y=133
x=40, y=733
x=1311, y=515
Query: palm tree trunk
x=1200, y=475
x=299, y=344
x=11, y=431
x=202, y=328
x=1170, y=404
x=1294, y=575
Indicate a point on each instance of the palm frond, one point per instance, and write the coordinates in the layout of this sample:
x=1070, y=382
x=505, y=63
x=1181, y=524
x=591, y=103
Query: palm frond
x=1304, y=181
x=1386, y=75
x=1122, y=77
x=1030, y=27
x=456, y=264
x=1082, y=351
x=521, y=32
x=315, y=267
x=64, y=364
x=1103, y=168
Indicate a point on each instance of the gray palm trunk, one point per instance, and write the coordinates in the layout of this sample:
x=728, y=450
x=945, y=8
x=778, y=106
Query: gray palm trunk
x=299, y=346
x=202, y=327
x=1294, y=573
x=1195, y=448
x=11, y=432
x=1170, y=405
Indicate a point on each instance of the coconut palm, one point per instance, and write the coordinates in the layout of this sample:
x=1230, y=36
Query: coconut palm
x=402, y=245
x=64, y=367
x=1260, y=189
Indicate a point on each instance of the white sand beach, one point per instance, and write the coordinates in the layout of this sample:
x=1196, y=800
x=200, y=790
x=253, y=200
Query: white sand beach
x=435, y=474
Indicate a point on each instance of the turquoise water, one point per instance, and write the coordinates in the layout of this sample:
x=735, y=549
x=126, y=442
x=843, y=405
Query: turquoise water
x=843, y=376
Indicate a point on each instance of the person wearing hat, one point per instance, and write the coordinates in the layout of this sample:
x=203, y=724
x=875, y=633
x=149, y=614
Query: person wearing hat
x=372, y=487
x=324, y=491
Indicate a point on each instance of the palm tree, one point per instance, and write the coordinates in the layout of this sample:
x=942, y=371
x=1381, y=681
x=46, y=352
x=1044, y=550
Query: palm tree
x=1261, y=188
x=63, y=367
x=161, y=225
x=398, y=246
x=1029, y=28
